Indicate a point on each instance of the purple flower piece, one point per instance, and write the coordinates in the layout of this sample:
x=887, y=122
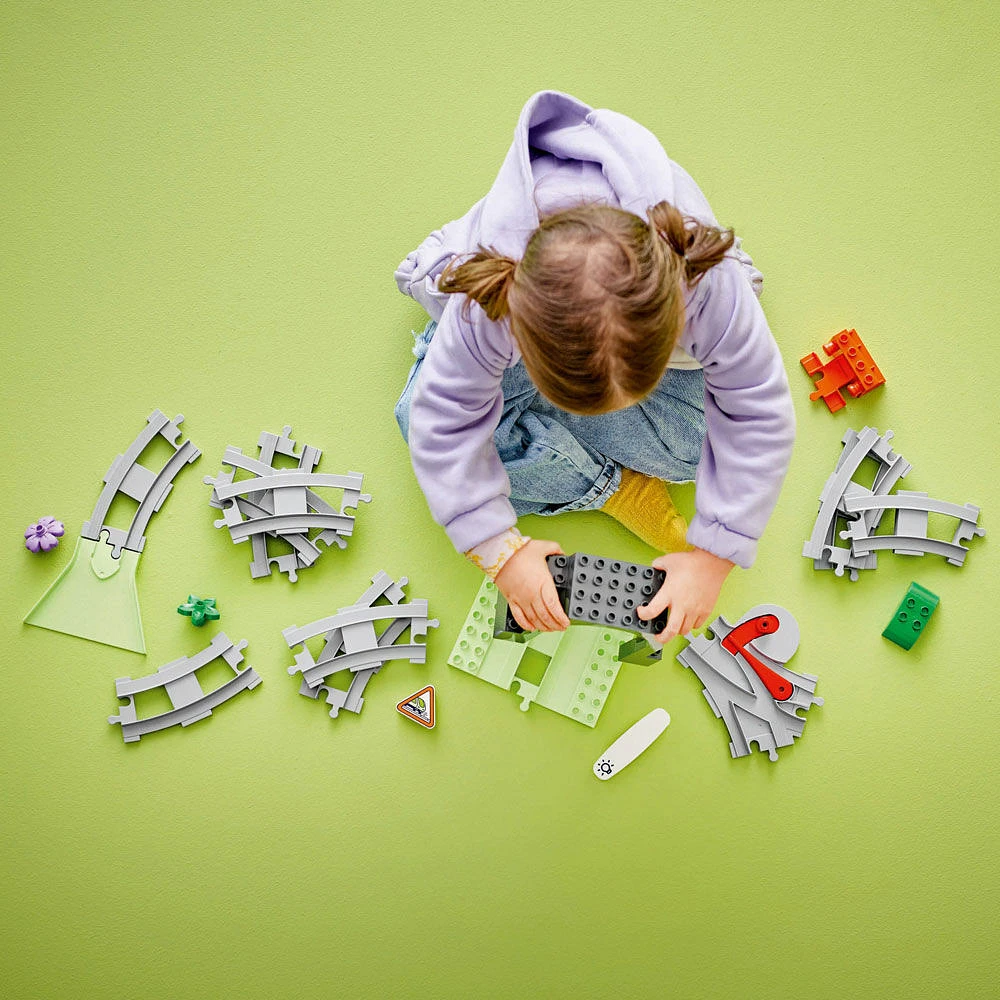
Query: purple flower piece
x=43, y=536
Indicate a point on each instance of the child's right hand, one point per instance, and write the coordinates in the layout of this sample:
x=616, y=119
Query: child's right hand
x=527, y=584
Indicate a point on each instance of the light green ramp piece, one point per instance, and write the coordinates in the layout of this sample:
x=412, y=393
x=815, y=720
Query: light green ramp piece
x=581, y=671
x=94, y=598
x=582, y=665
x=477, y=652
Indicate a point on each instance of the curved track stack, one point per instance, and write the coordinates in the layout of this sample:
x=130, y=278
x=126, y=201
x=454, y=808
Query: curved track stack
x=350, y=642
x=282, y=504
x=853, y=512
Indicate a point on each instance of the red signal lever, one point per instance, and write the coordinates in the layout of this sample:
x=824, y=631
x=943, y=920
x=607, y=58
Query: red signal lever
x=736, y=643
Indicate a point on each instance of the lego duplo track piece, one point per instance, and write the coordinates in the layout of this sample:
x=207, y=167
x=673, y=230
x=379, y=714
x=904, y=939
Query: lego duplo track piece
x=596, y=590
x=349, y=698
x=911, y=517
x=846, y=502
x=350, y=642
x=95, y=596
x=891, y=468
x=821, y=546
x=177, y=678
x=147, y=488
x=850, y=367
x=912, y=615
x=582, y=662
x=746, y=683
x=306, y=551
x=283, y=504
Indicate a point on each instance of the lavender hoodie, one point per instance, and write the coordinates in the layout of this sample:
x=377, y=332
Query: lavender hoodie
x=565, y=152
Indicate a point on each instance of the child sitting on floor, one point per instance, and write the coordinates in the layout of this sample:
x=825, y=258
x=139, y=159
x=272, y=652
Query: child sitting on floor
x=594, y=335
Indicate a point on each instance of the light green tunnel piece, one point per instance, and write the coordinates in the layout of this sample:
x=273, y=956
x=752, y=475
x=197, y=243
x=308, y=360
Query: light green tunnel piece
x=583, y=661
x=94, y=598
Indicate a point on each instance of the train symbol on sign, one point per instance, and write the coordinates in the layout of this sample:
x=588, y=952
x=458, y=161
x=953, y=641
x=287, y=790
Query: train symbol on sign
x=419, y=707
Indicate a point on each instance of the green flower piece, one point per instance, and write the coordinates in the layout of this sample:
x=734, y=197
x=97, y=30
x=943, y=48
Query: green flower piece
x=199, y=610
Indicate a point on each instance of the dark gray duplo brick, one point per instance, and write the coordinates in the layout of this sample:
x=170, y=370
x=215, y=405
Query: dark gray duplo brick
x=596, y=590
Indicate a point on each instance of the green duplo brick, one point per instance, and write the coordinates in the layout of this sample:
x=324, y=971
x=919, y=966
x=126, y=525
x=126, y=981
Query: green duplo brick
x=911, y=616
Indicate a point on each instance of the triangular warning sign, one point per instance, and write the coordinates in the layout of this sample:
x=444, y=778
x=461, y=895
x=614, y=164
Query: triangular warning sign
x=419, y=707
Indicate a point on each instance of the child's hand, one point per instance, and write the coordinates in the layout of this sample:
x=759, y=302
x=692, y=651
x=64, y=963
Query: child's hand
x=527, y=584
x=691, y=589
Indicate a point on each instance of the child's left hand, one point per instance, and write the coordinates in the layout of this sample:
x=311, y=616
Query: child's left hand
x=690, y=591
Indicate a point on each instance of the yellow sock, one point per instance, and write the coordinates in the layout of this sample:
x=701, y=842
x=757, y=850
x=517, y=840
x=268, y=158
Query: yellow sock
x=643, y=505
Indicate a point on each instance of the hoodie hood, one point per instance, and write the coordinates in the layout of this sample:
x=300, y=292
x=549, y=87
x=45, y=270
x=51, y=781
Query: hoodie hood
x=631, y=159
x=617, y=152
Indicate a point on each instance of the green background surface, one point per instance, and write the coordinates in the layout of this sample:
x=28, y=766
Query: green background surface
x=202, y=207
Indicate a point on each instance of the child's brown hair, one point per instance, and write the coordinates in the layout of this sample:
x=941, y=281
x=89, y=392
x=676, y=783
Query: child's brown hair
x=596, y=303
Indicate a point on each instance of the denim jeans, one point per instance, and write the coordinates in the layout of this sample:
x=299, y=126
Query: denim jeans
x=558, y=461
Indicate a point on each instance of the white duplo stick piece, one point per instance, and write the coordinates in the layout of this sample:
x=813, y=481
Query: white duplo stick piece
x=631, y=743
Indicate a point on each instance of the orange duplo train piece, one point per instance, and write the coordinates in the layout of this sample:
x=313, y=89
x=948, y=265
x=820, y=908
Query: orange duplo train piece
x=850, y=367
